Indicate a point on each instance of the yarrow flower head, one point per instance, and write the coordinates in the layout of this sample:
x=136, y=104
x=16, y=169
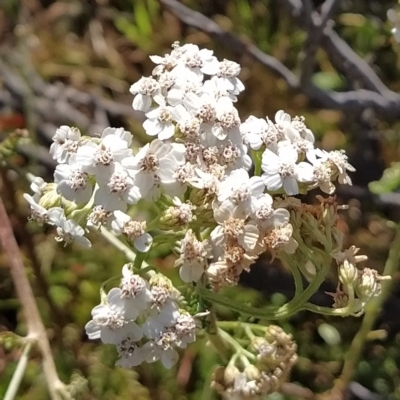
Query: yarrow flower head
x=194, y=191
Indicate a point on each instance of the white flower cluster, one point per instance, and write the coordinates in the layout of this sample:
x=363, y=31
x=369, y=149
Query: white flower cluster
x=199, y=112
x=143, y=320
x=196, y=171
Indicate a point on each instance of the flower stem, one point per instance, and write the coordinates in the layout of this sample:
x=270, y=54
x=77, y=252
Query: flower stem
x=256, y=156
x=232, y=325
x=227, y=338
x=18, y=373
x=111, y=238
x=271, y=313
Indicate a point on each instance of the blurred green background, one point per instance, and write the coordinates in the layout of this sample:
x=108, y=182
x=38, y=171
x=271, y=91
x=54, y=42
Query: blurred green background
x=102, y=47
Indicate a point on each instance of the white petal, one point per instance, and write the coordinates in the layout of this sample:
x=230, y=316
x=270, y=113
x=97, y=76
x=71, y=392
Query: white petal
x=92, y=330
x=141, y=102
x=281, y=216
x=272, y=182
x=83, y=241
x=143, y=242
x=169, y=358
x=304, y=172
x=250, y=237
x=290, y=186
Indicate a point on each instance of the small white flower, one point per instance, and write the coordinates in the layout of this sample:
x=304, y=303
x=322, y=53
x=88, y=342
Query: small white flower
x=185, y=329
x=118, y=191
x=99, y=160
x=146, y=90
x=194, y=63
x=181, y=212
x=68, y=230
x=233, y=226
x=339, y=160
x=168, y=62
x=216, y=90
x=163, y=318
x=323, y=175
x=238, y=189
x=72, y=182
x=160, y=123
x=38, y=213
x=266, y=216
x=185, y=93
x=153, y=352
x=37, y=187
x=129, y=352
x=134, y=231
x=258, y=132
x=66, y=142
x=135, y=290
x=227, y=119
x=111, y=322
x=188, y=124
x=227, y=74
x=284, y=125
x=154, y=167
x=280, y=238
x=99, y=217
x=281, y=169
x=193, y=257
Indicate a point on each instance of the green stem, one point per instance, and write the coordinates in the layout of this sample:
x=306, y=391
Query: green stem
x=338, y=312
x=219, y=345
x=227, y=338
x=372, y=310
x=139, y=261
x=256, y=156
x=18, y=373
x=233, y=325
x=271, y=313
x=111, y=238
x=298, y=280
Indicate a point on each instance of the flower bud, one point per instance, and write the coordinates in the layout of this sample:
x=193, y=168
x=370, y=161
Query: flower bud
x=368, y=284
x=329, y=214
x=252, y=372
x=218, y=380
x=177, y=216
x=162, y=290
x=230, y=374
x=198, y=197
x=348, y=273
x=50, y=197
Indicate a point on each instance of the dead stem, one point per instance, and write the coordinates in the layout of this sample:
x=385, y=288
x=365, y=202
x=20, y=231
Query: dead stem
x=36, y=329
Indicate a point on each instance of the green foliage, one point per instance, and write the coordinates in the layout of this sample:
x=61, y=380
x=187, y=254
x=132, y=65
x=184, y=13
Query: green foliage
x=328, y=80
x=389, y=182
x=139, y=27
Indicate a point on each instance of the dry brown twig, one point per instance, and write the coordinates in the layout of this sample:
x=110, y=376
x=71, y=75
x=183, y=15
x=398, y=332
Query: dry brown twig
x=36, y=330
x=375, y=95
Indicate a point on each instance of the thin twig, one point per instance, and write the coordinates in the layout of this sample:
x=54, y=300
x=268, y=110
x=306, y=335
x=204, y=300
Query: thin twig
x=18, y=373
x=342, y=56
x=36, y=329
x=384, y=101
x=316, y=25
x=26, y=239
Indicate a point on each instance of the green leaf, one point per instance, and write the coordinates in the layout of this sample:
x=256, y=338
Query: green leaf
x=328, y=80
x=389, y=182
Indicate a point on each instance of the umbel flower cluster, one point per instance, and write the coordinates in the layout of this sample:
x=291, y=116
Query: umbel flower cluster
x=218, y=207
